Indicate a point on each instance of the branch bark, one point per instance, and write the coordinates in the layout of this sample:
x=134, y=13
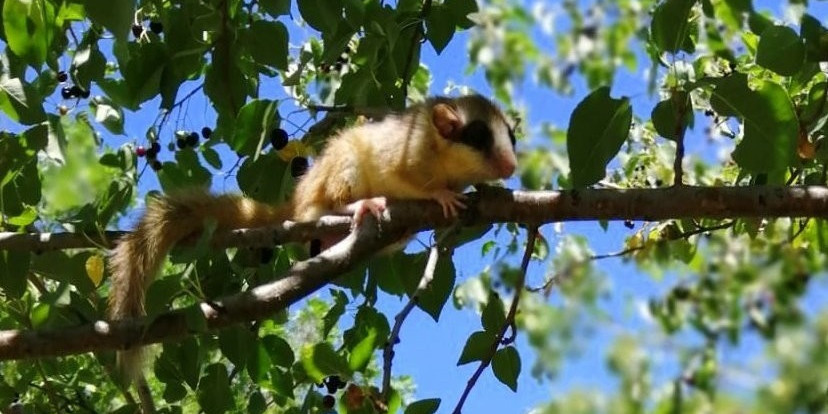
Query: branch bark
x=489, y=206
x=493, y=205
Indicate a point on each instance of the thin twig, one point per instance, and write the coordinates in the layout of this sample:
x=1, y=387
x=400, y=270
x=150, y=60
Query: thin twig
x=568, y=269
x=425, y=281
x=507, y=324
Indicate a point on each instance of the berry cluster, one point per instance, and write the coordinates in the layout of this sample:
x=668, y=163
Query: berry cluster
x=69, y=92
x=151, y=154
x=333, y=384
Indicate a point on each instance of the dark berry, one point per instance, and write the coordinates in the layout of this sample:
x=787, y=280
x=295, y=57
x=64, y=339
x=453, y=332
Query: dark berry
x=154, y=149
x=192, y=139
x=325, y=68
x=181, y=143
x=709, y=112
x=85, y=94
x=278, y=138
x=331, y=388
x=66, y=92
x=338, y=66
x=62, y=76
x=156, y=165
x=137, y=30
x=76, y=91
x=206, y=132
x=337, y=381
x=140, y=151
x=347, y=49
x=328, y=401
x=156, y=27
x=629, y=224
x=298, y=166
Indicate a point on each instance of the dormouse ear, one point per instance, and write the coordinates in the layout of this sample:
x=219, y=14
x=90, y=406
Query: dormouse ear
x=446, y=120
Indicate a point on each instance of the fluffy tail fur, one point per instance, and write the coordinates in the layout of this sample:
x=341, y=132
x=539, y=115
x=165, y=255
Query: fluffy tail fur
x=167, y=220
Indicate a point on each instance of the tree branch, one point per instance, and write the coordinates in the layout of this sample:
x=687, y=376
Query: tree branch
x=489, y=206
x=494, y=205
x=509, y=322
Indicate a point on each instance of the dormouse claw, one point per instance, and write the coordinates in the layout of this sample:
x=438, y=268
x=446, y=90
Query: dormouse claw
x=449, y=201
x=374, y=205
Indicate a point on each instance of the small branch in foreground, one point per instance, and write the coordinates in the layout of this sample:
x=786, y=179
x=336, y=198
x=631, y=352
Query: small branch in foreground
x=507, y=324
x=425, y=281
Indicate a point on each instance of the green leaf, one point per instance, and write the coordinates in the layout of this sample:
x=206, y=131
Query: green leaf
x=389, y=272
x=214, y=394
x=780, y=50
x=320, y=361
x=89, y=65
x=477, y=347
x=322, y=15
x=506, y=366
x=186, y=172
x=280, y=352
x=494, y=314
x=440, y=27
x=428, y=406
x=211, y=156
x=460, y=9
x=236, y=343
x=275, y=8
x=369, y=332
x=21, y=102
x=770, y=125
x=267, y=43
x=115, y=15
x=813, y=33
x=195, y=319
x=597, y=129
x=253, y=125
x=670, y=27
x=362, y=352
x=110, y=116
x=259, y=363
x=335, y=312
x=267, y=179
x=666, y=115
x=256, y=403
x=433, y=298
x=14, y=266
x=142, y=73
x=29, y=28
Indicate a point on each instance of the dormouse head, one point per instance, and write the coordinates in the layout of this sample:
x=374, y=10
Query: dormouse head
x=481, y=139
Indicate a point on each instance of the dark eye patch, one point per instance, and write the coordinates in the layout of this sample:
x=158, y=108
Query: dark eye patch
x=477, y=135
x=512, y=136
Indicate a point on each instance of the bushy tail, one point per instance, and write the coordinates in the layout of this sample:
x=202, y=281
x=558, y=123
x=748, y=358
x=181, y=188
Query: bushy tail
x=167, y=220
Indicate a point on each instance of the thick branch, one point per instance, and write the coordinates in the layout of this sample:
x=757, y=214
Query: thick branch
x=493, y=205
x=501, y=205
x=300, y=281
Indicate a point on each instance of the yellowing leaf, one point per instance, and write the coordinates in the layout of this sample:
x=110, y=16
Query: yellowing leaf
x=95, y=268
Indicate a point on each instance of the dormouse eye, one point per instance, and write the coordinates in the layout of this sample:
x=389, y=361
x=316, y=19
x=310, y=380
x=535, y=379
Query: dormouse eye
x=477, y=135
x=512, y=136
